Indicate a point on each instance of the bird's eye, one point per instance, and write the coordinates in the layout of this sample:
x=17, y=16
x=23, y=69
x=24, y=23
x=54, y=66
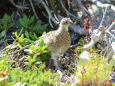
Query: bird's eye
x=66, y=22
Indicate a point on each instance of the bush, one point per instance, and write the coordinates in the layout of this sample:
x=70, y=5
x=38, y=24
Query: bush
x=96, y=71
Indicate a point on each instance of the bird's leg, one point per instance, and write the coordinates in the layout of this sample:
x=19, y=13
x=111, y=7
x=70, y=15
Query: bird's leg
x=58, y=68
x=56, y=63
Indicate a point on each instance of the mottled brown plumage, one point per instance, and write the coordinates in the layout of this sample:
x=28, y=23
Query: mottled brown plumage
x=59, y=40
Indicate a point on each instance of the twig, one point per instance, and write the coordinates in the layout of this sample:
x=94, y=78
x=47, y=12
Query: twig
x=73, y=46
x=65, y=10
x=108, y=46
x=33, y=9
x=99, y=4
x=56, y=18
x=103, y=18
x=109, y=42
x=84, y=10
x=25, y=47
x=97, y=35
x=49, y=13
x=111, y=26
x=68, y=2
x=112, y=36
x=112, y=30
x=88, y=46
x=23, y=5
x=20, y=7
x=113, y=7
x=46, y=2
x=50, y=17
x=23, y=2
x=12, y=44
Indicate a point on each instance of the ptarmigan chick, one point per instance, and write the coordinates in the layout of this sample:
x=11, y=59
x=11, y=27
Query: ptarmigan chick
x=59, y=40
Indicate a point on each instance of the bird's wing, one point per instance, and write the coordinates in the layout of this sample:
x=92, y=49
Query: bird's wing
x=50, y=37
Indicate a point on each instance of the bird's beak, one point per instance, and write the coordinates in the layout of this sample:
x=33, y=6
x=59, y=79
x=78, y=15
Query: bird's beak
x=71, y=22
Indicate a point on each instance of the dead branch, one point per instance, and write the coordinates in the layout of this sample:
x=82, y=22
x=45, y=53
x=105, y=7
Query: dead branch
x=50, y=17
x=103, y=18
x=109, y=34
x=60, y=3
x=97, y=35
x=25, y=47
x=84, y=10
x=17, y=6
x=111, y=26
x=88, y=46
x=99, y=4
x=33, y=9
x=73, y=46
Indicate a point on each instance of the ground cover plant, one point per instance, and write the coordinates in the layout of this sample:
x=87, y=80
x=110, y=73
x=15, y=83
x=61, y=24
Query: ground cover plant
x=25, y=60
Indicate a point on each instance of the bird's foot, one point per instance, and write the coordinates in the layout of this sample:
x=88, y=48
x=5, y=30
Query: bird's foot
x=60, y=73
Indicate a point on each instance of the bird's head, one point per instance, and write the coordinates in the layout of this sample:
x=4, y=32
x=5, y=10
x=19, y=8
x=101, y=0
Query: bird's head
x=65, y=22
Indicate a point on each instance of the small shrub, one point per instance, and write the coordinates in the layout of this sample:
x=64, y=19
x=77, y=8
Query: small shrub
x=32, y=26
x=4, y=26
x=36, y=76
x=95, y=71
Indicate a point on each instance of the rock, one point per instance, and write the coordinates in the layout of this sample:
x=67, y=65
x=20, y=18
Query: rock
x=113, y=46
x=85, y=55
x=113, y=57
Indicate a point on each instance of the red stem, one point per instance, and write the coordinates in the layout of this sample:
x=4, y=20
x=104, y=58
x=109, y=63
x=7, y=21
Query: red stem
x=91, y=22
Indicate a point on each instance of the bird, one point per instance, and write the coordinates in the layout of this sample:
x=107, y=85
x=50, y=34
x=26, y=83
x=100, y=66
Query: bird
x=58, y=41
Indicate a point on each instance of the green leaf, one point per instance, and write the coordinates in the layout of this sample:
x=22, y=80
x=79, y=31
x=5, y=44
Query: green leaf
x=4, y=23
x=1, y=40
x=31, y=20
x=3, y=33
x=5, y=19
x=24, y=21
x=27, y=34
x=32, y=60
x=41, y=43
x=27, y=41
x=32, y=47
x=35, y=27
x=16, y=35
x=44, y=33
x=39, y=23
x=21, y=39
x=31, y=35
x=35, y=36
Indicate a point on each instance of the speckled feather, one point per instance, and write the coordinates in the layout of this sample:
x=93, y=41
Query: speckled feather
x=59, y=40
